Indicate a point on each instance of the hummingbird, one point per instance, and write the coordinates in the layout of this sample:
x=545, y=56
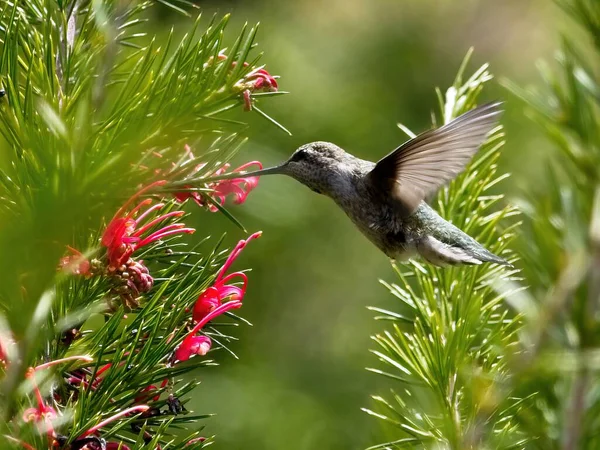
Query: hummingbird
x=387, y=200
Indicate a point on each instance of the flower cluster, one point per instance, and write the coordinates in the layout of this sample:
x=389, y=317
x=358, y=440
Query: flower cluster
x=44, y=416
x=129, y=231
x=76, y=263
x=257, y=80
x=239, y=188
x=137, y=224
x=212, y=303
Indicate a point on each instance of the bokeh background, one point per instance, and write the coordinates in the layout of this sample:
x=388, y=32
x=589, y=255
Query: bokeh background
x=354, y=68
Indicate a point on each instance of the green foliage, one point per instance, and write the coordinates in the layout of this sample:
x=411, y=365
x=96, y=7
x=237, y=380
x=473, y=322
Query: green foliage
x=445, y=348
x=560, y=246
x=487, y=359
x=90, y=96
x=93, y=109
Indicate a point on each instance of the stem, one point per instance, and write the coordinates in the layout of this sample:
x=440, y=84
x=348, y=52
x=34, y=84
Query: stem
x=136, y=409
x=576, y=411
x=142, y=191
x=150, y=224
x=214, y=313
x=18, y=441
x=454, y=412
x=62, y=360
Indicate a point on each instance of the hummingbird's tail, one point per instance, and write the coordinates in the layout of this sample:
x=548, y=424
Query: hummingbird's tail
x=465, y=251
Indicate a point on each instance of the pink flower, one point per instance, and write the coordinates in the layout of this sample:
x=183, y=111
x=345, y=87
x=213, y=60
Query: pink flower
x=257, y=80
x=126, y=231
x=7, y=344
x=191, y=344
x=43, y=413
x=239, y=188
x=210, y=305
x=213, y=297
x=195, y=441
x=145, y=393
x=262, y=80
x=75, y=263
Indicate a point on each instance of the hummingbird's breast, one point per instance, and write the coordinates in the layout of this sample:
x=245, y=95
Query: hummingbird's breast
x=377, y=219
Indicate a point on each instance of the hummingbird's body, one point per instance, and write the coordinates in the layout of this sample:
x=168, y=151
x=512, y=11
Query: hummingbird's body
x=385, y=200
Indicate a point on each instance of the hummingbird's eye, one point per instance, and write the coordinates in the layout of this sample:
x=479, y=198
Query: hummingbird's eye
x=300, y=155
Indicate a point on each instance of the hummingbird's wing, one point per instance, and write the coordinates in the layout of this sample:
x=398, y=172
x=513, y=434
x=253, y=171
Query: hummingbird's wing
x=419, y=167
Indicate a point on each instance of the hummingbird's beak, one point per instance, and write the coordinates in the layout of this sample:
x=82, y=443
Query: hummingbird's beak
x=275, y=170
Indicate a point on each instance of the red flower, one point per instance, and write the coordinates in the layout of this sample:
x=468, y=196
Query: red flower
x=195, y=441
x=75, y=263
x=213, y=297
x=125, y=232
x=257, y=80
x=145, y=394
x=210, y=305
x=7, y=345
x=193, y=345
x=238, y=187
x=43, y=415
x=263, y=80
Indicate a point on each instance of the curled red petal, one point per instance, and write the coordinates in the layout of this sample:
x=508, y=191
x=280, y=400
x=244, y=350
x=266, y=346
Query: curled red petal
x=231, y=292
x=247, y=96
x=235, y=253
x=259, y=83
x=192, y=346
x=207, y=301
x=249, y=164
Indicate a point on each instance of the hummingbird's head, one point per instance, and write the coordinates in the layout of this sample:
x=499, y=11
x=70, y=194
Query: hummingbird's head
x=316, y=165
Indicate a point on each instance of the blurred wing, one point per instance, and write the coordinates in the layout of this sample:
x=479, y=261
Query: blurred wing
x=422, y=165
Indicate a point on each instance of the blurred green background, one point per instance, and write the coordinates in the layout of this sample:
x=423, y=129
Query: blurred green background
x=354, y=69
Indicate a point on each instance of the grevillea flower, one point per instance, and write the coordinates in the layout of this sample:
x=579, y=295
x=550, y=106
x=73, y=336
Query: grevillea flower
x=195, y=441
x=75, y=263
x=221, y=289
x=146, y=393
x=191, y=344
x=43, y=415
x=239, y=188
x=128, y=231
x=256, y=80
x=262, y=80
x=7, y=345
x=210, y=305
